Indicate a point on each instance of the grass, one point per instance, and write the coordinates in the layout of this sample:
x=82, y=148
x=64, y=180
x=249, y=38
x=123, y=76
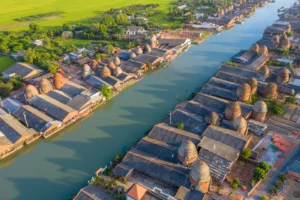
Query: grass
x=5, y=62
x=74, y=10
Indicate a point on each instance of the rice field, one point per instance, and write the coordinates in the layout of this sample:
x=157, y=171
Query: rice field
x=74, y=10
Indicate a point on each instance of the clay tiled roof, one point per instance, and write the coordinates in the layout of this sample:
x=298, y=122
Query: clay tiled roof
x=137, y=192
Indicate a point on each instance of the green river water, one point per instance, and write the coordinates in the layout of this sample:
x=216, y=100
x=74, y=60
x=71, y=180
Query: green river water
x=58, y=167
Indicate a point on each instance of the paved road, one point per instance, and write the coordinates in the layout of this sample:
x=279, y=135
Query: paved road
x=274, y=176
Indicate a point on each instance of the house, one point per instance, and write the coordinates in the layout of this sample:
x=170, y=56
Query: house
x=92, y=192
x=205, y=26
x=112, y=81
x=75, y=56
x=182, y=7
x=273, y=30
x=53, y=108
x=22, y=70
x=72, y=89
x=135, y=30
x=83, y=61
x=140, y=20
x=124, y=55
x=220, y=148
x=136, y=64
x=191, y=34
x=172, y=135
x=10, y=105
x=139, y=192
x=96, y=82
x=148, y=59
x=227, y=22
x=37, y=42
x=218, y=105
x=18, y=55
x=13, y=135
x=67, y=34
x=252, y=59
x=163, y=53
x=176, y=45
x=64, y=58
x=59, y=96
x=192, y=123
x=36, y=119
x=81, y=103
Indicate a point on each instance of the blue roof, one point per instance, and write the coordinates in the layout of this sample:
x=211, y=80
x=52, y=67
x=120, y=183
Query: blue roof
x=295, y=166
x=124, y=55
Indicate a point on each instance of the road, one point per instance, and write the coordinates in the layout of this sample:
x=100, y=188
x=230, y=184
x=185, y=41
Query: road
x=274, y=176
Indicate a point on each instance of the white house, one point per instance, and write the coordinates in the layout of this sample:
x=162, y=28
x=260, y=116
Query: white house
x=135, y=30
x=37, y=42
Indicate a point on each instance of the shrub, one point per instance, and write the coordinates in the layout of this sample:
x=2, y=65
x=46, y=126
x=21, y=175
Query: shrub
x=106, y=91
x=282, y=176
x=273, y=189
x=265, y=197
x=290, y=100
x=274, y=107
x=289, y=34
x=236, y=180
x=278, y=183
x=235, y=185
x=231, y=64
x=180, y=126
x=246, y=153
x=117, y=158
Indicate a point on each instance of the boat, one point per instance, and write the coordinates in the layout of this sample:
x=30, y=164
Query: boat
x=281, y=9
x=242, y=21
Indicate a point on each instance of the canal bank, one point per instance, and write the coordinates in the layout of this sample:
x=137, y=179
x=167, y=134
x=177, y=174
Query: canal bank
x=58, y=167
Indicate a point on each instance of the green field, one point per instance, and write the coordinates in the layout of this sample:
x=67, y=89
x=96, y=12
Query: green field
x=74, y=10
x=5, y=62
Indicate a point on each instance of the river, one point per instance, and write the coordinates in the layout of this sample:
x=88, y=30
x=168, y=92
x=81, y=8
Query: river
x=58, y=167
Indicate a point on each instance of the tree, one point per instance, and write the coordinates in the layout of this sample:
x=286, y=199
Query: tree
x=53, y=67
x=246, y=153
x=106, y=91
x=108, y=21
x=98, y=56
x=30, y=56
x=259, y=174
x=103, y=30
x=33, y=27
x=189, y=18
x=264, y=166
x=236, y=180
x=16, y=83
x=109, y=49
x=84, y=53
x=5, y=89
x=121, y=18
x=180, y=126
x=4, y=49
x=67, y=27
